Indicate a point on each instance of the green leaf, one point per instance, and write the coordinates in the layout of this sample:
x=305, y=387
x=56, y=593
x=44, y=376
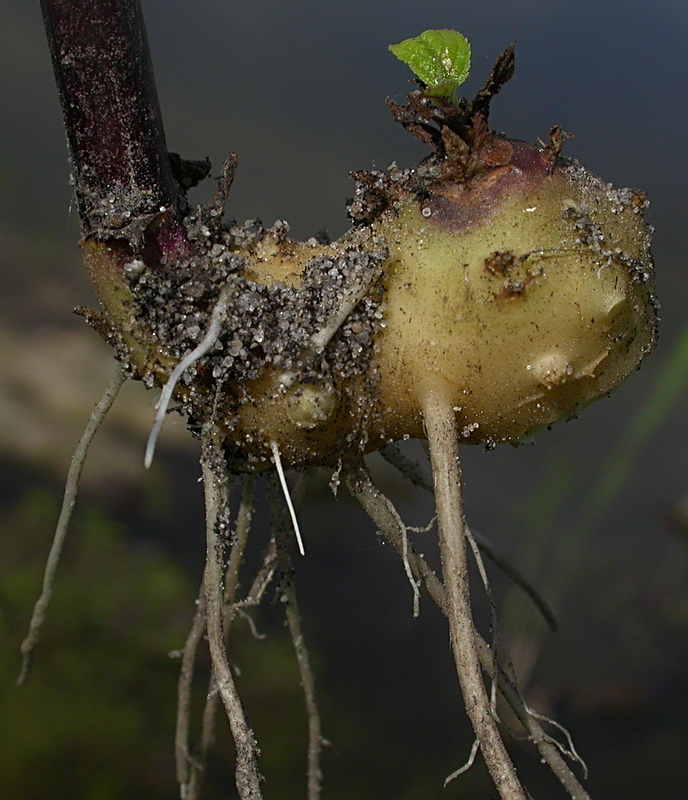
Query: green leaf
x=441, y=59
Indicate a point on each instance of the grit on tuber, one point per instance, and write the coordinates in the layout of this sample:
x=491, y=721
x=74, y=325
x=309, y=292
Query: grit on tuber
x=495, y=288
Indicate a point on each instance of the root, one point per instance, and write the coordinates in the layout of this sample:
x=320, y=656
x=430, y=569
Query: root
x=71, y=488
x=444, y=455
x=254, y=597
x=548, y=749
x=362, y=488
x=469, y=763
x=493, y=612
x=263, y=579
x=209, y=340
x=185, y=764
x=382, y=511
x=518, y=579
x=216, y=501
x=408, y=468
x=315, y=741
x=569, y=750
x=348, y=302
x=243, y=526
x=192, y=790
x=288, y=597
x=190, y=767
x=411, y=470
x=283, y=482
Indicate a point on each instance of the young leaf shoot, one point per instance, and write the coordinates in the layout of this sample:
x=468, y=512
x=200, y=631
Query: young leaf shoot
x=440, y=59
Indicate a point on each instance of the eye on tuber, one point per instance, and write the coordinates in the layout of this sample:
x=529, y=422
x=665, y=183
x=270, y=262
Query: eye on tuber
x=497, y=274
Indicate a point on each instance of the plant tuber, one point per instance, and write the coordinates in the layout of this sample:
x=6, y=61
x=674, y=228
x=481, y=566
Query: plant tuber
x=500, y=275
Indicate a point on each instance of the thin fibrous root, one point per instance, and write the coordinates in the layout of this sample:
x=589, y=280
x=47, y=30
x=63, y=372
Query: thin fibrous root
x=443, y=438
x=321, y=338
x=385, y=516
x=192, y=789
x=411, y=470
x=71, y=488
x=209, y=340
x=186, y=764
x=241, y=531
x=284, y=563
x=190, y=767
x=493, y=609
x=254, y=597
x=548, y=748
x=407, y=466
x=569, y=750
x=362, y=488
x=253, y=628
x=263, y=578
x=469, y=763
x=285, y=489
x=217, y=503
x=384, y=508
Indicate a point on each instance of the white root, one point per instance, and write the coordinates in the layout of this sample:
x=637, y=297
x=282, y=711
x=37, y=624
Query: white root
x=209, y=340
x=285, y=489
x=71, y=488
x=321, y=338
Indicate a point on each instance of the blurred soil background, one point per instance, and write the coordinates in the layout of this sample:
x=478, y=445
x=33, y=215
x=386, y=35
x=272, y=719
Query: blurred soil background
x=297, y=89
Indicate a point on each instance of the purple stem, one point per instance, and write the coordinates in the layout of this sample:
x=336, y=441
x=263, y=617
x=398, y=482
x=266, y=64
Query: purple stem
x=118, y=156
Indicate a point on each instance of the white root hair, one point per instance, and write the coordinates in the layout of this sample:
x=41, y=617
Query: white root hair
x=285, y=489
x=209, y=340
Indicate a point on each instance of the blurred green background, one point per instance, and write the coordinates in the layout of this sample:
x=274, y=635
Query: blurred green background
x=596, y=512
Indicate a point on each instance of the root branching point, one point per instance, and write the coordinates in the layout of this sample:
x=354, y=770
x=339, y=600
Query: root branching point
x=411, y=470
